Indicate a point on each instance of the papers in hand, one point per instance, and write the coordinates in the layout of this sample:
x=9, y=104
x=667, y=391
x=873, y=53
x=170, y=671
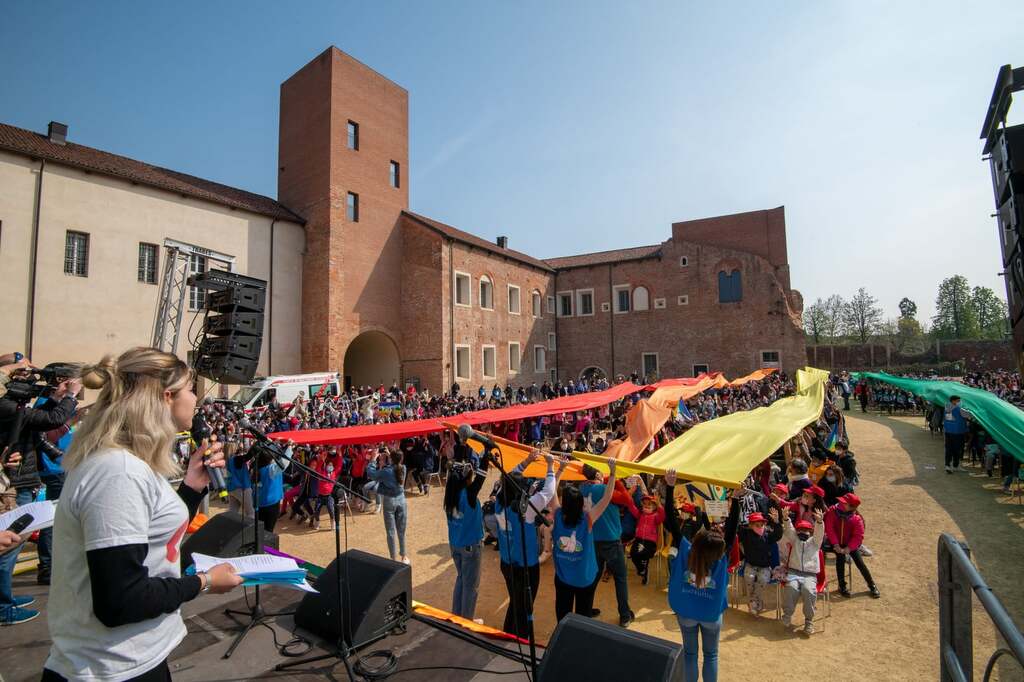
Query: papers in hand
x=41, y=512
x=260, y=569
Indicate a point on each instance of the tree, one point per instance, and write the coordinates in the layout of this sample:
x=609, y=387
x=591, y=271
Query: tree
x=834, y=306
x=862, y=316
x=990, y=312
x=905, y=335
x=815, y=319
x=908, y=309
x=954, y=315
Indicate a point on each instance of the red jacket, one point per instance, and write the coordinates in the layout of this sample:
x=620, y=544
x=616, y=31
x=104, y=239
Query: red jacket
x=647, y=524
x=330, y=467
x=844, y=531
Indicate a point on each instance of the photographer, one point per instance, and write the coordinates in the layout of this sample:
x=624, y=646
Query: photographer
x=20, y=431
x=117, y=585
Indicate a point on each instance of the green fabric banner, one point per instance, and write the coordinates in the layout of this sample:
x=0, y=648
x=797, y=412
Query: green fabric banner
x=1003, y=421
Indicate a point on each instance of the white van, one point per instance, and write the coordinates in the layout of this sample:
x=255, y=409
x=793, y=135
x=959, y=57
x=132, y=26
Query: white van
x=285, y=388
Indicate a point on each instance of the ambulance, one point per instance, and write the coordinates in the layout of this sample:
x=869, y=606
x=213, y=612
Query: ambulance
x=285, y=389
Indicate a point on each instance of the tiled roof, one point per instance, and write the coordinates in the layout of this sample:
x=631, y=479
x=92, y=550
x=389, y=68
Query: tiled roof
x=473, y=240
x=602, y=257
x=39, y=146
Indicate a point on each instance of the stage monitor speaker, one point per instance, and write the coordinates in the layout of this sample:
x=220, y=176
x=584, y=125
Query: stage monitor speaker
x=227, y=534
x=376, y=592
x=586, y=649
x=240, y=323
x=233, y=344
x=226, y=369
x=237, y=299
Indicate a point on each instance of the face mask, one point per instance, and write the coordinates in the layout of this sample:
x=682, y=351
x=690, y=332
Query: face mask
x=758, y=529
x=806, y=503
x=831, y=478
x=803, y=536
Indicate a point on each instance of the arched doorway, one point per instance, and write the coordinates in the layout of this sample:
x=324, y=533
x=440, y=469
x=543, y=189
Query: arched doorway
x=371, y=360
x=592, y=374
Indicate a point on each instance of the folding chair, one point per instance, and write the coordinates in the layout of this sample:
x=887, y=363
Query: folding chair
x=661, y=558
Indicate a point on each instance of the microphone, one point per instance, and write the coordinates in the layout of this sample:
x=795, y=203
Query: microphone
x=269, y=446
x=200, y=432
x=466, y=432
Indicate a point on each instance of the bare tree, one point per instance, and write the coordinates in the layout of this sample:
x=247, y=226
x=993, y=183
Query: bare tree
x=834, y=306
x=815, y=320
x=862, y=315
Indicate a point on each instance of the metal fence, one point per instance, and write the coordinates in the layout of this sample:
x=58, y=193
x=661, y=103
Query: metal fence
x=958, y=581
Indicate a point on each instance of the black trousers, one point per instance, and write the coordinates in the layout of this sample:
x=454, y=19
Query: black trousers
x=161, y=673
x=268, y=516
x=858, y=561
x=954, y=448
x=641, y=554
x=569, y=598
x=520, y=605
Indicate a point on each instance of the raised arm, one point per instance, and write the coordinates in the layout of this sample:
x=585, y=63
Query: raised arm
x=672, y=523
x=732, y=522
x=542, y=497
x=609, y=489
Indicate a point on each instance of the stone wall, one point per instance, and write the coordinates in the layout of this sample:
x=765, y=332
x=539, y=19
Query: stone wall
x=975, y=356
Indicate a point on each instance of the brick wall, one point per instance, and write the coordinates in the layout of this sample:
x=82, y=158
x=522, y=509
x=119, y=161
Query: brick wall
x=976, y=356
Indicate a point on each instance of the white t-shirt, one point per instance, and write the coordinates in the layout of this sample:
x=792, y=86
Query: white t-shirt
x=111, y=499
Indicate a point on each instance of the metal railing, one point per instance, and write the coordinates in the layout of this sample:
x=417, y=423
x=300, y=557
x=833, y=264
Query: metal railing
x=959, y=579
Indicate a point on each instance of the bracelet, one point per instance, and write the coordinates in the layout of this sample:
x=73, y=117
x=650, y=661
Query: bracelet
x=204, y=579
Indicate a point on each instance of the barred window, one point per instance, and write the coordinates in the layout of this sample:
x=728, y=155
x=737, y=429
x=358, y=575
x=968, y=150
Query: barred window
x=76, y=254
x=147, y=263
x=196, y=296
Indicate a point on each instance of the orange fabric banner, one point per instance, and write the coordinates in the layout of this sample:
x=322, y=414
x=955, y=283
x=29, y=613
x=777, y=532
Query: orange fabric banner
x=427, y=610
x=642, y=421
x=512, y=453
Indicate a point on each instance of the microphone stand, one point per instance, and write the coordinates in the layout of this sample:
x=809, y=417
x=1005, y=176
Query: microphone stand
x=255, y=613
x=524, y=501
x=343, y=648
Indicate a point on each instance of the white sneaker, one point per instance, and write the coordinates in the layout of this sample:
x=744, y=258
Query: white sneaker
x=866, y=551
x=963, y=469
x=478, y=621
x=809, y=628
x=949, y=469
x=405, y=560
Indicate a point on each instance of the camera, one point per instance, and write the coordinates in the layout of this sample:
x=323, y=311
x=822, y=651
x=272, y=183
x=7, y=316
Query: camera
x=32, y=383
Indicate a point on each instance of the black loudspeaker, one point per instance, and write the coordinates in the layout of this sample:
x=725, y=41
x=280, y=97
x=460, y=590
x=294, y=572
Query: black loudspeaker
x=376, y=593
x=228, y=534
x=232, y=344
x=233, y=328
x=226, y=369
x=244, y=323
x=237, y=299
x=585, y=649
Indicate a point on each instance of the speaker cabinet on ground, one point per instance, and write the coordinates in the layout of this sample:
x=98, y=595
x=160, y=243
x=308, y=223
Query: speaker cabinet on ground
x=228, y=534
x=376, y=598
x=585, y=649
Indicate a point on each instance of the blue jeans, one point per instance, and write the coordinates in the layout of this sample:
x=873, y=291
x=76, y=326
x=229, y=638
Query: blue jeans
x=54, y=484
x=467, y=579
x=709, y=634
x=8, y=560
x=396, y=512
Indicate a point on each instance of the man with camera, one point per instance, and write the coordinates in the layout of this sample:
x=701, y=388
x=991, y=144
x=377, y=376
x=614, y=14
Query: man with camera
x=21, y=428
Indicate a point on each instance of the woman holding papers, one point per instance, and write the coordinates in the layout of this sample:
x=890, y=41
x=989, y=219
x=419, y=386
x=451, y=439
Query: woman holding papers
x=117, y=585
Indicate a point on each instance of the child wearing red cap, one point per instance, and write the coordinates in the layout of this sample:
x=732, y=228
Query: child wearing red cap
x=800, y=545
x=757, y=539
x=803, y=508
x=844, y=527
x=649, y=518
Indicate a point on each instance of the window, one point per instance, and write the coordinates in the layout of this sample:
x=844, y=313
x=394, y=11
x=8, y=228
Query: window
x=605, y=306
x=490, y=362
x=462, y=296
x=551, y=341
x=584, y=301
x=565, y=304
x=551, y=305
x=659, y=303
x=196, y=296
x=486, y=293
x=535, y=303
x=554, y=376
x=641, y=299
x=322, y=389
x=395, y=175
x=683, y=261
x=538, y=359
x=683, y=300
x=513, y=299
x=76, y=254
x=352, y=207
x=462, y=362
x=650, y=365
x=770, y=358
x=353, y=135
x=514, y=357
x=699, y=369
x=620, y=296
x=147, y=263
x=730, y=287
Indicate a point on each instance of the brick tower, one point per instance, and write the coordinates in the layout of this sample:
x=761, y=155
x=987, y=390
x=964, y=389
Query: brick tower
x=343, y=165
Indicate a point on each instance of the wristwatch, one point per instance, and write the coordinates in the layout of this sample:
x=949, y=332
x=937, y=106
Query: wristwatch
x=205, y=580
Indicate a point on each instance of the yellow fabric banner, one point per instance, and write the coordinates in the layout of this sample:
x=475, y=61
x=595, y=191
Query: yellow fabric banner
x=724, y=451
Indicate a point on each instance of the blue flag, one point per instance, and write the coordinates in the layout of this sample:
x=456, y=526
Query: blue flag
x=833, y=437
x=683, y=410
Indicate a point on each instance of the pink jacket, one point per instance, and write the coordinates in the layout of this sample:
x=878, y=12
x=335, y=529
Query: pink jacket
x=844, y=531
x=647, y=524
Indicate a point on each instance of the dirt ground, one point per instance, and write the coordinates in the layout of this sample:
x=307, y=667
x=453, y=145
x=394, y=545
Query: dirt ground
x=908, y=500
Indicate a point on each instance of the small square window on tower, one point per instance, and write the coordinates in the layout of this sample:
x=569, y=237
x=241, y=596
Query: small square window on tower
x=353, y=135
x=352, y=207
x=395, y=175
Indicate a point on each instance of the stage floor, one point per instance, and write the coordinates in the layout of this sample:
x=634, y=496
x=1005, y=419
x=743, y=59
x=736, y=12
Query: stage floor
x=23, y=648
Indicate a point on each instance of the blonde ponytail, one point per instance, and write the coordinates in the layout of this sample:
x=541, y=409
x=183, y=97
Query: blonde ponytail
x=130, y=411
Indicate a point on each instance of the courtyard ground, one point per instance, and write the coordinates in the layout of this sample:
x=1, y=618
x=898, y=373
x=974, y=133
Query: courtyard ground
x=908, y=500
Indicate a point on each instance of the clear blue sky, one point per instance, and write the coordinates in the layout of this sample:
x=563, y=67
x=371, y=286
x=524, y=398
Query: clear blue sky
x=580, y=126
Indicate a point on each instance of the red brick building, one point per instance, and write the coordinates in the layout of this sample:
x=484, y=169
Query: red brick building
x=391, y=295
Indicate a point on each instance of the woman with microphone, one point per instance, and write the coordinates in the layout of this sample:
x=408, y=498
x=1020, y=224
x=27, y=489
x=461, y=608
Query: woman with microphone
x=117, y=586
